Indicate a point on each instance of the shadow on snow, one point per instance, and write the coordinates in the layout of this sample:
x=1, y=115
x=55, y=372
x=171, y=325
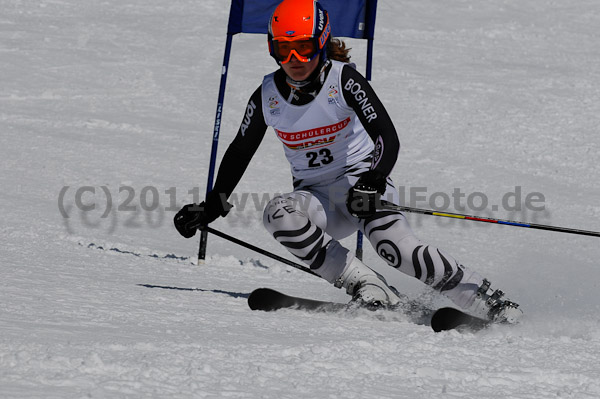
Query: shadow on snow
x=164, y=287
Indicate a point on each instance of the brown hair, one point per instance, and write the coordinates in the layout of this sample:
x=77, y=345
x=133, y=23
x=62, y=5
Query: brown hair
x=336, y=50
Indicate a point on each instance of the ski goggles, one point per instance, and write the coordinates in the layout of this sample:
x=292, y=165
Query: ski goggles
x=303, y=48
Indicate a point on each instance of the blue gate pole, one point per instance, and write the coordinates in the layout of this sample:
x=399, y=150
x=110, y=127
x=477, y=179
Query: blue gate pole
x=215, y=142
x=359, y=234
x=370, y=20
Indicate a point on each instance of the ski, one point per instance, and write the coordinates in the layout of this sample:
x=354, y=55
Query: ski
x=268, y=300
x=445, y=319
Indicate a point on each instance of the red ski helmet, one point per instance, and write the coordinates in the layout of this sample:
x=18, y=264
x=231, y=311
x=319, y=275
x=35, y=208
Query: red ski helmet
x=300, y=28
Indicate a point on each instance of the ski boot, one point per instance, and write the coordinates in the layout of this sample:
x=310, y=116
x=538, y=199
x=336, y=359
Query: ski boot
x=367, y=288
x=489, y=305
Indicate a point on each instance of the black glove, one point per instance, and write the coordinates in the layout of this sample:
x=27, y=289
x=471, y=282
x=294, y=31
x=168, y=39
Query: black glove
x=365, y=197
x=194, y=216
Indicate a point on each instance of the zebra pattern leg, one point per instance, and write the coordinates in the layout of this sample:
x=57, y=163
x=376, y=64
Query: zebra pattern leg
x=298, y=222
x=394, y=241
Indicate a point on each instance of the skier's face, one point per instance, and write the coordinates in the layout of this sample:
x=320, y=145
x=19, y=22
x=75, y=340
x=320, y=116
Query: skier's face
x=298, y=70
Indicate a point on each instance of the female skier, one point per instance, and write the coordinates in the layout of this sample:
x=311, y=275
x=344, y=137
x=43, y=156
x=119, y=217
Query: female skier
x=341, y=145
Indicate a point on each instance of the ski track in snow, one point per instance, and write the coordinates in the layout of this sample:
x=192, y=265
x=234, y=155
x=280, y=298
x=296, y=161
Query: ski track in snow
x=120, y=97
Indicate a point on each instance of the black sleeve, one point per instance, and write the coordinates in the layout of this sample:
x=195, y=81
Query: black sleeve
x=242, y=148
x=359, y=95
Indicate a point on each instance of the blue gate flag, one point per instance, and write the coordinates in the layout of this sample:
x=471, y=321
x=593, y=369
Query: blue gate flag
x=348, y=18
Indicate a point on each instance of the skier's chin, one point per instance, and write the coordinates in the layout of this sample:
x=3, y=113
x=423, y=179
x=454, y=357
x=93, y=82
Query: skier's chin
x=299, y=73
x=298, y=70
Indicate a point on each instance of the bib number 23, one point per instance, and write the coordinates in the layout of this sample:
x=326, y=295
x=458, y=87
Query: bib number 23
x=320, y=158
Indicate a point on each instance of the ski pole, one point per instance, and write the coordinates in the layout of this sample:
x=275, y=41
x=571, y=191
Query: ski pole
x=393, y=207
x=260, y=251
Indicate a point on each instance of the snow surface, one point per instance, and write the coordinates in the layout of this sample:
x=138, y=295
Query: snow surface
x=120, y=97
